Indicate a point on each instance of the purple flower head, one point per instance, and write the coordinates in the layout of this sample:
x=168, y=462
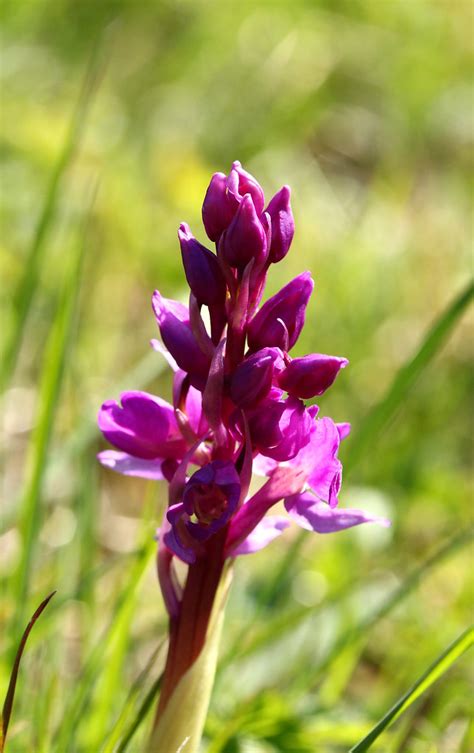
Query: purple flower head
x=202, y=269
x=311, y=375
x=209, y=500
x=237, y=395
x=282, y=224
x=245, y=238
x=280, y=320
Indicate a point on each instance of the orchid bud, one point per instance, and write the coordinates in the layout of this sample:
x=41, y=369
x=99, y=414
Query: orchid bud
x=245, y=238
x=176, y=333
x=241, y=182
x=219, y=207
x=282, y=224
x=311, y=375
x=280, y=320
x=202, y=269
x=252, y=380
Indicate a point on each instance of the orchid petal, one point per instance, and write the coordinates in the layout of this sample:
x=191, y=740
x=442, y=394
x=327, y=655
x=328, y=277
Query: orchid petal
x=268, y=529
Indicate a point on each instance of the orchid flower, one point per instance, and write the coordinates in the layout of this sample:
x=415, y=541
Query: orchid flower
x=238, y=408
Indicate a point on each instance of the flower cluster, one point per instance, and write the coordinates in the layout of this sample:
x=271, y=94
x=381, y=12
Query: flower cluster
x=238, y=396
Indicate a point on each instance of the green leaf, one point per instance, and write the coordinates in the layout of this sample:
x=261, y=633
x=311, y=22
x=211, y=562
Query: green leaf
x=405, y=378
x=433, y=673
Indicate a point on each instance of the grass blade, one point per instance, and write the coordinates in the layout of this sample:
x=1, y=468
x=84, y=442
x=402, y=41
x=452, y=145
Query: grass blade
x=74, y=711
x=383, y=411
x=25, y=290
x=396, y=597
x=8, y=705
x=116, y=733
x=143, y=711
x=50, y=386
x=433, y=673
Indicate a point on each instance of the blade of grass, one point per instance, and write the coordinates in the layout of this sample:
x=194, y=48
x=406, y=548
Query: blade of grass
x=275, y=629
x=49, y=391
x=143, y=712
x=385, y=410
x=115, y=734
x=118, y=639
x=10, y=696
x=27, y=284
x=74, y=711
x=400, y=593
x=433, y=673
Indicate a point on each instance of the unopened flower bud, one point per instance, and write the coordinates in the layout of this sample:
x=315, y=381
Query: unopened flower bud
x=241, y=182
x=252, y=380
x=245, y=238
x=219, y=207
x=177, y=335
x=280, y=320
x=282, y=224
x=311, y=375
x=202, y=269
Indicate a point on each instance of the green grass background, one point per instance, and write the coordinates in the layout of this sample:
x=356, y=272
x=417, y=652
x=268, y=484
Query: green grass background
x=114, y=116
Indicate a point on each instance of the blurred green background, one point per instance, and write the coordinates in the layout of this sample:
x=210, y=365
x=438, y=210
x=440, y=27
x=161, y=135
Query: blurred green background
x=114, y=117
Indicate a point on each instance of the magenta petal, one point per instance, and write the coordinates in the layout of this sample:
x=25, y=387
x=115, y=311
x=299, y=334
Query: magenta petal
x=139, y=426
x=251, y=513
x=314, y=515
x=268, y=529
x=126, y=464
x=344, y=430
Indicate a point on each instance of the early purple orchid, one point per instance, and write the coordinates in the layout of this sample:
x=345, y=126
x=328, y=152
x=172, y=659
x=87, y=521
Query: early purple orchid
x=238, y=407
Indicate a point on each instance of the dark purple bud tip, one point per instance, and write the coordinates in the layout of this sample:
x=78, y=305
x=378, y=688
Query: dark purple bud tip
x=280, y=320
x=245, y=238
x=282, y=224
x=219, y=207
x=252, y=380
x=241, y=182
x=202, y=269
x=311, y=375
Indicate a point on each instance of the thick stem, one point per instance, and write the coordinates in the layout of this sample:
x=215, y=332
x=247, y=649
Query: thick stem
x=188, y=649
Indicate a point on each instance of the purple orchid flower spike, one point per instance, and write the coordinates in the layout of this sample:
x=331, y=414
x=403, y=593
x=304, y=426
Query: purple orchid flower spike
x=238, y=408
